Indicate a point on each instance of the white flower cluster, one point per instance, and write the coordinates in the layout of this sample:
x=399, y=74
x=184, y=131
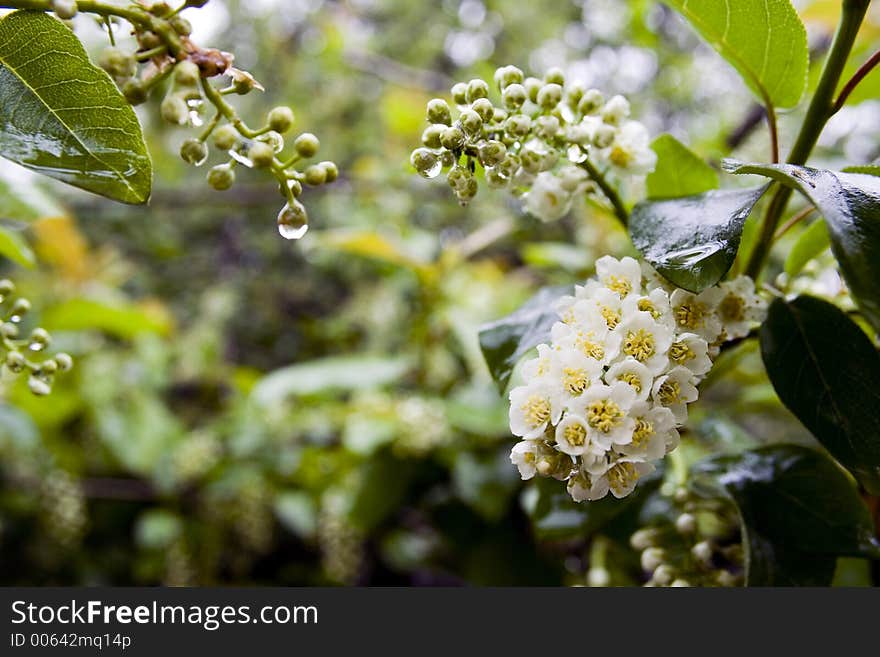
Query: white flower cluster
x=605, y=398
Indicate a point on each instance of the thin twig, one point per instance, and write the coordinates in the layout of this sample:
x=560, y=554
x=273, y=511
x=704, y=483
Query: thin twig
x=857, y=77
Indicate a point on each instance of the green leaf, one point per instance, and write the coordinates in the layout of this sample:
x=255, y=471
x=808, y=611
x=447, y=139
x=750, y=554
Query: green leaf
x=123, y=320
x=507, y=340
x=827, y=372
x=62, y=116
x=798, y=511
x=869, y=169
x=850, y=203
x=764, y=40
x=22, y=200
x=692, y=241
x=336, y=373
x=14, y=247
x=679, y=171
x=382, y=490
x=813, y=241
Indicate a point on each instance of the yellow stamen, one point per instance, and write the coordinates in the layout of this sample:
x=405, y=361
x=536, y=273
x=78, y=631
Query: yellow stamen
x=618, y=284
x=732, y=308
x=691, y=315
x=604, y=415
x=621, y=475
x=536, y=410
x=612, y=317
x=669, y=392
x=681, y=353
x=639, y=344
x=646, y=305
x=575, y=435
x=591, y=349
x=575, y=380
x=632, y=379
x=642, y=432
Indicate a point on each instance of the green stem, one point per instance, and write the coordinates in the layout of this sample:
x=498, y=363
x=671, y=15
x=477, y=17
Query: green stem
x=611, y=194
x=821, y=109
x=227, y=110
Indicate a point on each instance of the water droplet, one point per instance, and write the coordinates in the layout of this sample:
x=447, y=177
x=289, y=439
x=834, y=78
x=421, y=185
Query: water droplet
x=434, y=171
x=576, y=154
x=241, y=159
x=36, y=346
x=289, y=232
x=293, y=221
x=194, y=118
x=15, y=319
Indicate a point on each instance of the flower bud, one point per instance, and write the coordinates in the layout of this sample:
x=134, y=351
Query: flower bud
x=38, y=386
x=438, y=111
x=506, y=76
x=590, y=102
x=549, y=95
x=573, y=94
x=307, y=144
x=149, y=40
x=458, y=177
x=331, y=171
x=492, y=152
x=261, y=154
x=187, y=73
x=64, y=9
x=702, y=551
x=663, y=574
x=118, y=63
x=225, y=137
x=546, y=127
x=477, y=88
x=554, y=76
x=459, y=93
x=9, y=330
x=466, y=193
x=221, y=177
x=48, y=367
x=643, y=538
x=273, y=139
x=19, y=308
x=431, y=135
x=651, y=558
x=194, y=152
x=532, y=87
x=514, y=96
x=604, y=136
x=64, y=362
x=315, y=175
x=39, y=339
x=686, y=524
x=7, y=287
x=182, y=26
x=280, y=119
x=174, y=109
x=483, y=107
x=15, y=362
x=423, y=160
x=598, y=577
x=452, y=138
x=470, y=122
x=518, y=126
x=134, y=92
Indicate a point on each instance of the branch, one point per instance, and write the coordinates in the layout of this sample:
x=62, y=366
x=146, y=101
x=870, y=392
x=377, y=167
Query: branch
x=857, y=77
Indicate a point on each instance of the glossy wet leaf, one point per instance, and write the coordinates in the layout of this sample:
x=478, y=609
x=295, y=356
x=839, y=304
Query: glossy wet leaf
x=64, y=117
x=826, y=371
x=812, y=242
x=679, y=171
x=764, y=40
x=798, y=511
x=692, y=241
x=850, y=203
x=507, y=340
x=16, y=248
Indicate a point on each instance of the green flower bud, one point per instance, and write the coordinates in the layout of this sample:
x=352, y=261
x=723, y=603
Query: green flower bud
x=467, y=192
x=293, y=221
x=293, y=185
x=509, y=165
x=573, y=94
x=149, y=40
x=174, y=109
x=663, y=574
x=280, y=119
x=331, y=171
x=195, y=3
x=508, y=75
x=686, y=524
x=590, y=102
x=187, y=73
x=452, y=138
x=459, y=93
x=7, y=287
x=533, y=86
x=492, y=153
x=431, y=135
x=307, y=144
x=226, y=137
x=549, y=95
x=134, y=92
x=160, y=9
x=15, y=362
x=458, y=177
x=38, y=386
x=651, y=558
x=221, y=177
x=477, y=88
x=48, y=367
x=470, y=122
x=518, y=126
x=438, y=111
x=261, y=154
x=194, y=152
x=64, y=9
x=39, y=339
x=496, y=178
x=546, y=127
x=315, y=175
x=64, y=362
x=447, y=159
x=426, y=162
x=182, y=26
x=118, y=63
x=483, y=107
x=273, y=139
x=20, y=307
x=500, y=115
x=554, y=76
x=514, y=96
x=9, y=330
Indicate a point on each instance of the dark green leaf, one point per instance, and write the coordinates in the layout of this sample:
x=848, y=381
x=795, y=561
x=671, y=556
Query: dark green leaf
x=679, y=172
x=798, y=510
x=827, y=372
x=62, y=116
x=850, y=203
x=507, y=340
x=870, y=169
x=384, y=483
x=813, y=241
x=692, y=241
x=764, y=40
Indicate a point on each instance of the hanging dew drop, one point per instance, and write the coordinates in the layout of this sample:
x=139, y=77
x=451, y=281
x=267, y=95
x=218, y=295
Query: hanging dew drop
x=36, y=346
x=291, y=232
x=293, y=221
x=433, y=171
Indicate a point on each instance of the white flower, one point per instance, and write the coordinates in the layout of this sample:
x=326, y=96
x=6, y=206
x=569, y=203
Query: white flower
x=574, y=372
x=532, y=408
x=691, y=351
x=653, y=280
x=572, y=435
x=622, y=276
x=695, y=313
x=634, y=374
x=591, y=337
x=605, y=409
x=524, y=455
x=621, y=479
x=645, y=340
x=655, y=303
x=740, y=307
x=675, y=390
x=630, y=153
x=655, y=431
x=615, y=110
x=547, y=200
x=541, y=366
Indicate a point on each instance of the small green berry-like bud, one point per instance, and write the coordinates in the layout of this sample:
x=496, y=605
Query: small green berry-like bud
x=518, y=125
x=514, y=96
x=492, y=153
x=477, y=88
x=431, y=135
x=9, y=330
x=686, y=524
x=470, y=122
x=15, y=362
x=7, y=287
x=174, y=109
x=423, y=160
x=160, y=9
x=702, y=551
x=194, y=152
x=64, y=362
x=64, y=9
x=20, y=307
x=38, y=386
x=452, y=138
x=134, y=92
x=117, y=63
x=280, y=119
x=315, y=175
x=643, y=538
x=458, y=177
x=483, y=107
x=590, y=102
x=182, y=26
x=651, y=558
x=48, y=367
x=533, y=86
x=39, y=339
x=187, y=73
x=555, y=76
x=550, y=95
x=307, y=144
x=573, y=94
x=149, y=40
x=261, y=154
x=438, y=112
x=459, y=93
x=331, y=171
x=225, y=137
x=508, y=75
x=221, y=177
